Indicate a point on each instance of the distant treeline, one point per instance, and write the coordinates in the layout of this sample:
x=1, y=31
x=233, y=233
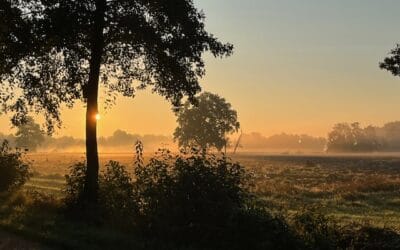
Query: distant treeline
x=282, y=143
x=352, y=137
x=120, y=140
x=343, y=138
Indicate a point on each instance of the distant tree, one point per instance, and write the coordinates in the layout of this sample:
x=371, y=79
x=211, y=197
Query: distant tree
x=59, y=51
x=340, y=138
x=390, y=134
x=29, y=135
x=352, y=138
x=207, y=123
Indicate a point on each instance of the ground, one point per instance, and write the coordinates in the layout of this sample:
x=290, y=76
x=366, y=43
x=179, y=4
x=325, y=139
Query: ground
x=362, y=189
x=12, y=242
x=350, y=188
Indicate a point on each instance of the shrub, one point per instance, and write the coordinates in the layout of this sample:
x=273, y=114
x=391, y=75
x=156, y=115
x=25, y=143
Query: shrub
x=14, y=172
x=117, y=196
x=254, y=228
x=196, y=201
x=116, y=204
x=187, y=201
x=75, y=182
x=316, y=230
x=368, y=237
x=192, y=192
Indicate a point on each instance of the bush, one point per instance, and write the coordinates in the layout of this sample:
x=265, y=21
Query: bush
x=117, y=196
x=316, y=230
x=368, y=237
x=194, y=193
x=75, y=183
x=116, y=204
x=193, y=201
x=13, y=171
x=254, y=228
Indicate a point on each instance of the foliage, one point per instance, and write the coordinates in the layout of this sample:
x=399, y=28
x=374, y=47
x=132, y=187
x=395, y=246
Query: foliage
x=49, y=49
x=392, y=62
x=300, y=142
x=201, y=202
x=29, y=135
x=116, y=203
x=352, y=188
x=207, y=123
x=117, y=195
x=352, y=138
x=390, y=133
x=75, y=183
x=315, y=229
x=189, y=189
x=368, y=237
x=185, y=201
x=14, y=172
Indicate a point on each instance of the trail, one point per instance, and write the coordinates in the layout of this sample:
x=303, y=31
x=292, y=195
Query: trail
x=13, y=242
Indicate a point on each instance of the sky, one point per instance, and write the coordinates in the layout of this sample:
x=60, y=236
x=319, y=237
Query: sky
x=298, y=67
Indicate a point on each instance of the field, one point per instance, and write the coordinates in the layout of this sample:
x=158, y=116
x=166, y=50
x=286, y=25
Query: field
x=362, y=189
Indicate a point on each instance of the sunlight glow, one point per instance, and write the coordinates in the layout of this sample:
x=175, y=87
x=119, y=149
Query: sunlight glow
x=98, y=117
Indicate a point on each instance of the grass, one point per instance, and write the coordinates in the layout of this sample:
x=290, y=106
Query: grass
x=361, y=189
x=349, y=188
x=358, y=189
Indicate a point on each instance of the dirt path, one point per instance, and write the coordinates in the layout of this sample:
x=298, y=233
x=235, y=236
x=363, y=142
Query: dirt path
x=12, y=242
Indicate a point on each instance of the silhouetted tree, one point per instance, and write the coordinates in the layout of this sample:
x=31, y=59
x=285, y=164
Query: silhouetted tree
x=392, y=62
x=29, y=135
x=58, y=51
x=207, y=123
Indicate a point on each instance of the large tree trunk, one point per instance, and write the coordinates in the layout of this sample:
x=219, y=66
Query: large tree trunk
x=90, y=192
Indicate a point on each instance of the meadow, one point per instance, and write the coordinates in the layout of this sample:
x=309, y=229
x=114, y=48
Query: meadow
x=361, y=189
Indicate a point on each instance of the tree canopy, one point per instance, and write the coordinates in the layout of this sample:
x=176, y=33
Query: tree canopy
x=207, y=123
x=46, y=48
x=392, y=62
x=54, y=52
x=346, y=137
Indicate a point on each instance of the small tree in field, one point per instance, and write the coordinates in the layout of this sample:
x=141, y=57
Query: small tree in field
x=59, y=51
x=29, y=135
x=207, y=123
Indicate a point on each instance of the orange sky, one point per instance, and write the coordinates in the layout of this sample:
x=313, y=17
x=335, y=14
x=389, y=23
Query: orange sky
x=298, y=67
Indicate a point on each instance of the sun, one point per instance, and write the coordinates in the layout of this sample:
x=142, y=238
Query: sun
x=98, y=117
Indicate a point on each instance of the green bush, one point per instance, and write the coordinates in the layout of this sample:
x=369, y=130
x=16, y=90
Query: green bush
x=14, y=172
x=316, y=230
x=193, y=201
x=184, y=201
x=117, y=196
x=117, y=200
x=75, y=183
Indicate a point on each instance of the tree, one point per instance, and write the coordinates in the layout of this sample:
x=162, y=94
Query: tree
x=207, y=123
x=392, y=62
x=390, y=134
x=352, y=138
x=29, y=135
x=58, y=51
x=340, y=139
